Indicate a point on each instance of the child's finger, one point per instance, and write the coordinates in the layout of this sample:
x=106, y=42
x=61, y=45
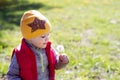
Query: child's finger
x=63, y=58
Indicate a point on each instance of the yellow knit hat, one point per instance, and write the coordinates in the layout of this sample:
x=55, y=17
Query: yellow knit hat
x=34, y=24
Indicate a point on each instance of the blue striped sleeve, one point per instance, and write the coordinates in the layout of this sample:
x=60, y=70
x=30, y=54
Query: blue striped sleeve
x=13, y=71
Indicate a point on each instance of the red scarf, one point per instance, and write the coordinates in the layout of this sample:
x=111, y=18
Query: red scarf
x=27, y=61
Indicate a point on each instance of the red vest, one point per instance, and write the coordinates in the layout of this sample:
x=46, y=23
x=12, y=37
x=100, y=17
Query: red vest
x=27, y=62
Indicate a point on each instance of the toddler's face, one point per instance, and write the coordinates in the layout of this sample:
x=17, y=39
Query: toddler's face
x=41, y=41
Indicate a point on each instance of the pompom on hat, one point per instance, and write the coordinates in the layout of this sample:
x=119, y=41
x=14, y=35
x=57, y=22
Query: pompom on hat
x=34, y=24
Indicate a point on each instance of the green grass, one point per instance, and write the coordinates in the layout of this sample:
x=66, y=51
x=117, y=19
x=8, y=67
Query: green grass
x=89, y=31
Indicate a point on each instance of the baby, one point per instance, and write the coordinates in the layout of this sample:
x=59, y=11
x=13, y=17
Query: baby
x=35, y=58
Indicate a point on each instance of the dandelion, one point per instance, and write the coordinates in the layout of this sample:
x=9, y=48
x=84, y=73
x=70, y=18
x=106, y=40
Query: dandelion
x=113, y=21
x=60, y=48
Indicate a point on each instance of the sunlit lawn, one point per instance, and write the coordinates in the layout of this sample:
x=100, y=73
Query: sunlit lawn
x=89, y=31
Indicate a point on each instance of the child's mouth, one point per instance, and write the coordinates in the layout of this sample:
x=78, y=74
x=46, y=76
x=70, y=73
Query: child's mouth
x=45, y=43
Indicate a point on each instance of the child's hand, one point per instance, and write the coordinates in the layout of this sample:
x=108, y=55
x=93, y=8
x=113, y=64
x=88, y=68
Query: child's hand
x=63, y=61
x=63, y=58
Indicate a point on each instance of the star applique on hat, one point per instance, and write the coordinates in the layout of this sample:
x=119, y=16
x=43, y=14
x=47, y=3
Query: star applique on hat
x=37, y=24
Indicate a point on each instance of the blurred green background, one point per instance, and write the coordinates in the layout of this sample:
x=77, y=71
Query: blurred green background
x=88, y=29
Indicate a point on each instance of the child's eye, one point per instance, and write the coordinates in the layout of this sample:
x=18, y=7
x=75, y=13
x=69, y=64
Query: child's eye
x=42, y=36
x=45, y=36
